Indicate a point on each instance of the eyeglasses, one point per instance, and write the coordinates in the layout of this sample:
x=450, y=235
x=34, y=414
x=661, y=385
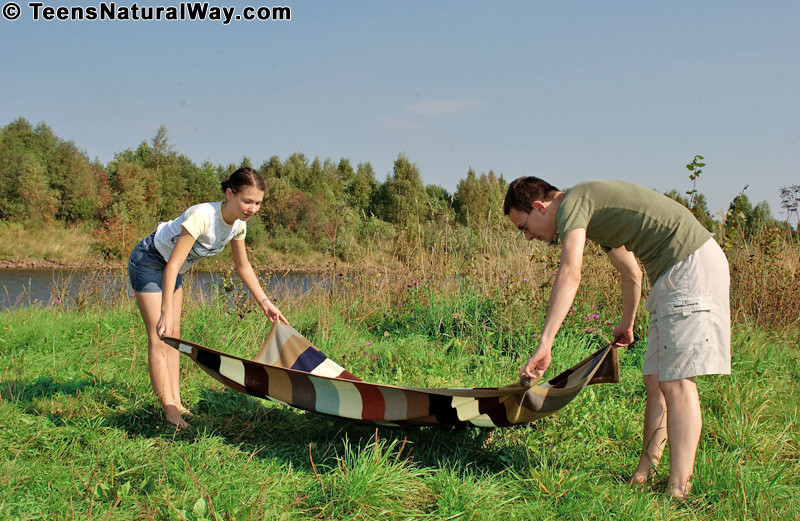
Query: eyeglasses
x=524, y=226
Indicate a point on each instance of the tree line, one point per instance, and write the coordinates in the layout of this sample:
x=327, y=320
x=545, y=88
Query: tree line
x=310, y=204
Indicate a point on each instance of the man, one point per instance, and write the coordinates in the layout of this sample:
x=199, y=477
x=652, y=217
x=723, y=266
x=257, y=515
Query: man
x=689, y=333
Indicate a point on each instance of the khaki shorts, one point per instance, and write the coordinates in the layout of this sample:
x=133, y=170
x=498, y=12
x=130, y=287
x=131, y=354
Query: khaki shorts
x=690, y=320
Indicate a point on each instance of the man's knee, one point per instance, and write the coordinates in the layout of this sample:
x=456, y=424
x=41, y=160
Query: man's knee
x=651, y=384
x=677, y=387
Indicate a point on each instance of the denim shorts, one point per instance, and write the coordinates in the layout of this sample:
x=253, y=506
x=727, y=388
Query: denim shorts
x=146, y=267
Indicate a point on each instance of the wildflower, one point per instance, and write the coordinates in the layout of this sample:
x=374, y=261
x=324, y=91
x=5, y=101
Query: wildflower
x=595, y=316
x=590, y=331
x=375, y=357
x=369, y=343
x=526, y=279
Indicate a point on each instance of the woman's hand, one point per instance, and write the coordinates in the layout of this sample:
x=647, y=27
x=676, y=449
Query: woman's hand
x=164, y=325
x=272, y=312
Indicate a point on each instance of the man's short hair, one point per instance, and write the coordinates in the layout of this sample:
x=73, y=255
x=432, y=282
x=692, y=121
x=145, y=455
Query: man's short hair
x=523, y=191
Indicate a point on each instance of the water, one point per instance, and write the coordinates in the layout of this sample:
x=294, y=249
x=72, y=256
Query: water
x=45, y=287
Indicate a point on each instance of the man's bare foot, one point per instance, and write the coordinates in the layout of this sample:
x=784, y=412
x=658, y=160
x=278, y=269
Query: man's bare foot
x=173, y=417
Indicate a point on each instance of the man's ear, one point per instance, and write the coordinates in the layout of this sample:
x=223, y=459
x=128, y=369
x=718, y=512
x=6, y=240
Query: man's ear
x=538, y=205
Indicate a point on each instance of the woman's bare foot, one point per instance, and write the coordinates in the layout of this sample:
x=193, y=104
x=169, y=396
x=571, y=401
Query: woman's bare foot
x=679, y=491
x=642, y=476
x=173, y=416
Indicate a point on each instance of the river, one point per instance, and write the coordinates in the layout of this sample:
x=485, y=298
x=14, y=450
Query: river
x=45, y=287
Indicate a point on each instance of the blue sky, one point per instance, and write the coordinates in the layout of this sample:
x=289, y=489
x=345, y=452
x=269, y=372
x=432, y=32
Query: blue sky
x=564, y=90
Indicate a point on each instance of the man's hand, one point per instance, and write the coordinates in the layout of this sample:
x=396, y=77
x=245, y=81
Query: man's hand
x=537, y=364
x=623, y=336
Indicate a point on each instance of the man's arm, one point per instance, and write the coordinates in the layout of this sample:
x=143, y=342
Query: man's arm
x=562, y=295
x=631, y=281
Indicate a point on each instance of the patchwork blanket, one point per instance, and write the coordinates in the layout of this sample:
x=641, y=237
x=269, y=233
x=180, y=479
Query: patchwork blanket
x=289, y=369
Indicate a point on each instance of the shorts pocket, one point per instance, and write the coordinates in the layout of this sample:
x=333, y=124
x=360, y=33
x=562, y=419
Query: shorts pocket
x=683, y=324
x=136, y=255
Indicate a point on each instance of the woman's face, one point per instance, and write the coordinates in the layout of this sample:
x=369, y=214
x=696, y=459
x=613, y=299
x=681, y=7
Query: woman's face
x=246, y=202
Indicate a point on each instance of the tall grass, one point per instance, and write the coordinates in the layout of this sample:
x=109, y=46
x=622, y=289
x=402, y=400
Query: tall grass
x=82, y=436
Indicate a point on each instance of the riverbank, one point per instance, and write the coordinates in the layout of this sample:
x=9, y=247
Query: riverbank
x=51, y=246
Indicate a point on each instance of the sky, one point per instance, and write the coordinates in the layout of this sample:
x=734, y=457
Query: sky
x=566, y=91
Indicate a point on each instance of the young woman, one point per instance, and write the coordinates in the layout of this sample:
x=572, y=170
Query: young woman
x=157, y=263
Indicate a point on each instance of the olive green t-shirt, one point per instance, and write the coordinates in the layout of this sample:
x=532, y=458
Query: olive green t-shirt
x=660, y=231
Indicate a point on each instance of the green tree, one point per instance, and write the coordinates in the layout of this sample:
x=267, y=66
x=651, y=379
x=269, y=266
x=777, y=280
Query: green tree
x=402, y=199
x=297, y=172
x=695, y=168
x=360, y=190
x=202, y=183
x=271, y=168
x=700, y=209
x=439, y=204
x=478, y=199
x=738, y=216
x=59, y=172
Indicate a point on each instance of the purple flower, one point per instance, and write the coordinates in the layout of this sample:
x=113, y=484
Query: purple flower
x=590, y=331
x=375, y=357
x=369, y=344
x=526, y=279
x=595, y=316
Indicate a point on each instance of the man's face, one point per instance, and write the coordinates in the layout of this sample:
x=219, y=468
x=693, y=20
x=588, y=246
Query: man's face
x=536, y=224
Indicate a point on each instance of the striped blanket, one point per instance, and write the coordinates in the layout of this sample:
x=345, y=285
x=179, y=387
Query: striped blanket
x=289, y=369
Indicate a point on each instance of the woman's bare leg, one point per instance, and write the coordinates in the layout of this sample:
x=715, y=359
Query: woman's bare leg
x=163, y=370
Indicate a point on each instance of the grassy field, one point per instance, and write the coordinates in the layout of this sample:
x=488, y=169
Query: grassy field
x=82, y=436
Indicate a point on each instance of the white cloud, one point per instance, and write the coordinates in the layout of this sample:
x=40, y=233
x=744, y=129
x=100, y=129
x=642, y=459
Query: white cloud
x=441, y=107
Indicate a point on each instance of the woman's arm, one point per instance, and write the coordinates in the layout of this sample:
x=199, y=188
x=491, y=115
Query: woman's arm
x=248, y=276
x=174, y=263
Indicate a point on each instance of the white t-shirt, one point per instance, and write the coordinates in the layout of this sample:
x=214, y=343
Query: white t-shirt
x=204, y=222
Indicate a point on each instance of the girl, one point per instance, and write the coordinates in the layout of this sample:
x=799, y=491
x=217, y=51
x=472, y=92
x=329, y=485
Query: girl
x=157, y=263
